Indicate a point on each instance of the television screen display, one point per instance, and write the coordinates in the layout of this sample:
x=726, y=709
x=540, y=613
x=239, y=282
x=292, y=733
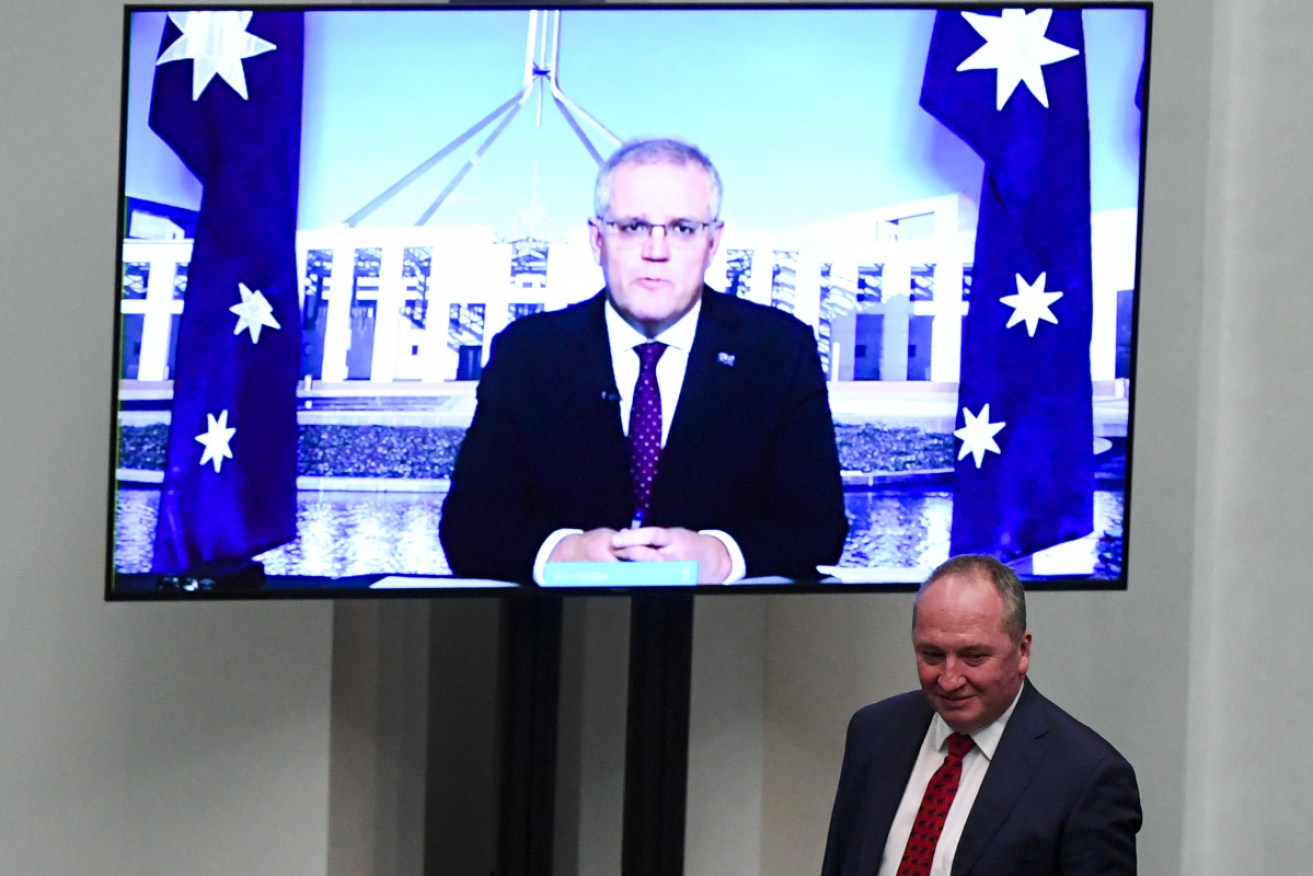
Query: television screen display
x=348, y=234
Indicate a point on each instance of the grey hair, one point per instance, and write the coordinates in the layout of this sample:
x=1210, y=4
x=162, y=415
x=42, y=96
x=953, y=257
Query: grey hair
x=655, y=151
x=1003, y=578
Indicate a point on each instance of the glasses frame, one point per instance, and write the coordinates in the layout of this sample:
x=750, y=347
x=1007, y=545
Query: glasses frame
x=613, y=226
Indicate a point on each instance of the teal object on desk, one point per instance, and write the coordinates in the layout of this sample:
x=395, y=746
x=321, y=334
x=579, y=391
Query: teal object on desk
x=678, y=573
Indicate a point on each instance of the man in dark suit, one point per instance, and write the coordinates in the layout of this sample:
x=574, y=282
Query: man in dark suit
x=746, y=476
x=1034, y=791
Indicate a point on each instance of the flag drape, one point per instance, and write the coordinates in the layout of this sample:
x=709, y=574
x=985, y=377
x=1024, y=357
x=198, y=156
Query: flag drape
x=1012, y=85
x=227, y=99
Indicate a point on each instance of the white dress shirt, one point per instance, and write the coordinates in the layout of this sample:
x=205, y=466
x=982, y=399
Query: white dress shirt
x=670, y=368
x=622, y=338
x=974, y=766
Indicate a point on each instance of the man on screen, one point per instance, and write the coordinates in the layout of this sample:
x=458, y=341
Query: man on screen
x=657, y=420
x=977, y=773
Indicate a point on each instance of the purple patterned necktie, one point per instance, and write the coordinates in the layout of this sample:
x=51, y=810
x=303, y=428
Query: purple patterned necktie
x=645, y=426
x=920, y=850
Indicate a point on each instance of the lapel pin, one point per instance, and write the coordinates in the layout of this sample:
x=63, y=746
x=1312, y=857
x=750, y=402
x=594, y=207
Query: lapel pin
x=725, y=359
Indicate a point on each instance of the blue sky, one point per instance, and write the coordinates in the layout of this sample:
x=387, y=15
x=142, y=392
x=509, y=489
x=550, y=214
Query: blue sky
x=808, y=113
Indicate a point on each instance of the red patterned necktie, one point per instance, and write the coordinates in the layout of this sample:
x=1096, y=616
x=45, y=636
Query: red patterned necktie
x=920, y=850
x=645, y=426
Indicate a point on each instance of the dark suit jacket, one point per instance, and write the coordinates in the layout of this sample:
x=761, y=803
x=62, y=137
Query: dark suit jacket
x=1057, y=798
x=751, y=449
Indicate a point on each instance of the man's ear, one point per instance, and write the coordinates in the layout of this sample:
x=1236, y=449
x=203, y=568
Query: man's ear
x=595, y=239
x=715, y=240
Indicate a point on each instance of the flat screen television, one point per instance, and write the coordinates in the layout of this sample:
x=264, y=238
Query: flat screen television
x=328, y=214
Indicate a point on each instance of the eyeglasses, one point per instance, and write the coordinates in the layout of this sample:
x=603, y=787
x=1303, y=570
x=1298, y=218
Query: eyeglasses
x=677, y=232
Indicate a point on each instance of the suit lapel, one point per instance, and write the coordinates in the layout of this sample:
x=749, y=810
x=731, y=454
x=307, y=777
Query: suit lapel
x=900, y=748
x=1018, y=755
x=587, y=378
x=708, y=382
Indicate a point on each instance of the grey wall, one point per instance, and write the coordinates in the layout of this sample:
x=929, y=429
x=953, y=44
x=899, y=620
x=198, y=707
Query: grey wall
x=142, y=739
x=1250, y=642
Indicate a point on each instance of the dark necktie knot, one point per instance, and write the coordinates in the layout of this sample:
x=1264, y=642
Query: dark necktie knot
x=958, y=745
x=648, y=354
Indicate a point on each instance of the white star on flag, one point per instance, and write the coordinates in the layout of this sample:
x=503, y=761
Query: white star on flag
x=215, y=440
x=1031, y=303
x=254, y=313
x=1015, y=46
x=216, y=43
x=978, y=435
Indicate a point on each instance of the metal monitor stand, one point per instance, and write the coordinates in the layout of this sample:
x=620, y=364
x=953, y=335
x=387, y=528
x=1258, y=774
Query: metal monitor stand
x=657, y=734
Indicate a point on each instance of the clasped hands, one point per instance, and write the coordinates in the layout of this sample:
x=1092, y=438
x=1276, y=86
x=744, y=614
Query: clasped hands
x=647, y=544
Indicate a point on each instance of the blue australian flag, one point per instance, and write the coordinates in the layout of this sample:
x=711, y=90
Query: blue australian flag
x=1012, y=85
x=227, y=99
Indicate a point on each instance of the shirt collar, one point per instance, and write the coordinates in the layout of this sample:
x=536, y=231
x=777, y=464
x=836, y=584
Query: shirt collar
x=622, y=336
x=986, y=738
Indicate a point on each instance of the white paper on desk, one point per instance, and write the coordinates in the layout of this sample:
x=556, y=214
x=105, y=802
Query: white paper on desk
x=406, y=582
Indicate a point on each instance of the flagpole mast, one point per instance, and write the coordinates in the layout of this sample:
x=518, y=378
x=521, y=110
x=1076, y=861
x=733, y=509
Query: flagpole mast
x=541, y=65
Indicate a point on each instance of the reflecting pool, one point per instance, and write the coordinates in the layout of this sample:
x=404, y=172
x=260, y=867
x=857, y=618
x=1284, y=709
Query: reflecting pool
x=897, y=534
